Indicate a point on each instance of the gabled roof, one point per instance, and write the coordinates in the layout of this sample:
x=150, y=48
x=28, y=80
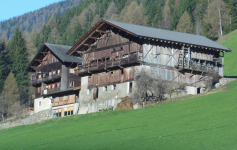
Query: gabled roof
x=160, y=34
x=59, y=51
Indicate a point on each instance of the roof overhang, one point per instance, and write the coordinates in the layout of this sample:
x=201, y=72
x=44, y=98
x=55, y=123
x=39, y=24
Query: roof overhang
x=102, y=22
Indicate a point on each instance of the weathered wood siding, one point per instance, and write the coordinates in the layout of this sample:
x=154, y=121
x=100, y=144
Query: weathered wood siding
x=111, y=45
x=64, y=100
x=112, y=77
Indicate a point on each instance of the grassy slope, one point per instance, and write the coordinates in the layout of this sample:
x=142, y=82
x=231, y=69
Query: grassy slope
x=230, y=41
x=207, y=122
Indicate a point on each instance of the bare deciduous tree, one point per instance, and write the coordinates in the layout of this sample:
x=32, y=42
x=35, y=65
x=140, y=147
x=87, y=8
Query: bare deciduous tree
x=152, y=87
x=111, y=11
x=133, y=14
x=166, y=17
x=211, y=78
x=216, y=18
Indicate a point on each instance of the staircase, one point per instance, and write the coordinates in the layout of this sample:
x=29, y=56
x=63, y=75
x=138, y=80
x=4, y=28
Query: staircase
x=184, y=58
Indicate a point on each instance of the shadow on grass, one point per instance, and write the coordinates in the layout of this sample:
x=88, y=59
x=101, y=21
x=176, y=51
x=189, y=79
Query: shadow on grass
x=230, y=76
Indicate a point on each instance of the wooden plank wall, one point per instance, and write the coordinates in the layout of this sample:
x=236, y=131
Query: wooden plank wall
x=111, y=41
x=70, y=100
x=110, y=78
x=160, y=53
x=193, y=79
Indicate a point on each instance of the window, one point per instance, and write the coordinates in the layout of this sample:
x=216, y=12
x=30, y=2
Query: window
x=39, y=89
x=112, y=73
x=54, y=72
x=113, y=87
x=59, y=71
x=57, y=113
x=121, y=71
x=89, y=91
x=129, y=87
x=71, y=70
x=53, y=86
x=105, y=88
x=68, y=111
x=58, y=84
x=71, y=83
x=89, y=79
x=39, y=103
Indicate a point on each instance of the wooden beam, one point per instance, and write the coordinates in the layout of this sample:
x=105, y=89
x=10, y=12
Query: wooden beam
x=86, y=45
x=39, y=60
x=93, y=38
x=100, y=31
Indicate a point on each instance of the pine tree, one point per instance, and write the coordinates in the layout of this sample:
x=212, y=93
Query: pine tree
x=1, y=71
x=4, y=65
x=19, y=62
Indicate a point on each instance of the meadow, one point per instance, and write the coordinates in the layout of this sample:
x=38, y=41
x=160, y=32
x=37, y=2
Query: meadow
x=206, y=122
x=230, y=65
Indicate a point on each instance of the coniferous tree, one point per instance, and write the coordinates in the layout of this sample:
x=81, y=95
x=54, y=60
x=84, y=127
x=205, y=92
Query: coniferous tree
x=4, y=64
x=19, y=62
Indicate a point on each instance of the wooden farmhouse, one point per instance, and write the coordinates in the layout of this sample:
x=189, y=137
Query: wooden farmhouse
x=107, y=58
x=56, y=86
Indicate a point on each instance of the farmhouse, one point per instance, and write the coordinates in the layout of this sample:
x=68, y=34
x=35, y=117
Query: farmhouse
x=106, y=59
x=56, y=86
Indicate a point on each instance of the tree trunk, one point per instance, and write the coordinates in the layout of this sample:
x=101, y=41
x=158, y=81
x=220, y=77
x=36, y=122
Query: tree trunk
x=219, y=11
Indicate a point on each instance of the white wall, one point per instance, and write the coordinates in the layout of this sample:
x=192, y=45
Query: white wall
x=45, y=104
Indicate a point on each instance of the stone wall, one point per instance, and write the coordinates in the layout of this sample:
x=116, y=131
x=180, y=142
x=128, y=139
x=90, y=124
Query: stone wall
x=36, y=117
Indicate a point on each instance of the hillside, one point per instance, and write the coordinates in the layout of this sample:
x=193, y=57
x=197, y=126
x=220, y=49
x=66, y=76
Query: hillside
x=206, y=122
x=34, y=20
x=229, y=41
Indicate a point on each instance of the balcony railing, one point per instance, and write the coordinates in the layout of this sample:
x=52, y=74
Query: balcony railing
x=45, y=78
x=107, y=64
x=53, y=90
x=200, y=65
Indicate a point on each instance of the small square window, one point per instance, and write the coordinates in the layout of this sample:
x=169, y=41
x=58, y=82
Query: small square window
x=113, y=87
x=105, y=88
x=71, y=70
x=89, y=91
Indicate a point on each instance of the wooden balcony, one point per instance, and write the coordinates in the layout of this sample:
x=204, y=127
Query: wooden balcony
x=107, y=64
x=52, y=90
x=46, y=77
x=200, y=65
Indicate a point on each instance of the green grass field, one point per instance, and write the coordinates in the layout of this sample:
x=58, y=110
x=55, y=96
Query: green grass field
x=206, y=122
x=230, y=65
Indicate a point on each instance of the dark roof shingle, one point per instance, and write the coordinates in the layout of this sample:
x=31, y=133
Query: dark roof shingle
x=60, y=51
x=168, y=35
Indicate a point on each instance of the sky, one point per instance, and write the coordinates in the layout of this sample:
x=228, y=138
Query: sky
x=14, y=8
